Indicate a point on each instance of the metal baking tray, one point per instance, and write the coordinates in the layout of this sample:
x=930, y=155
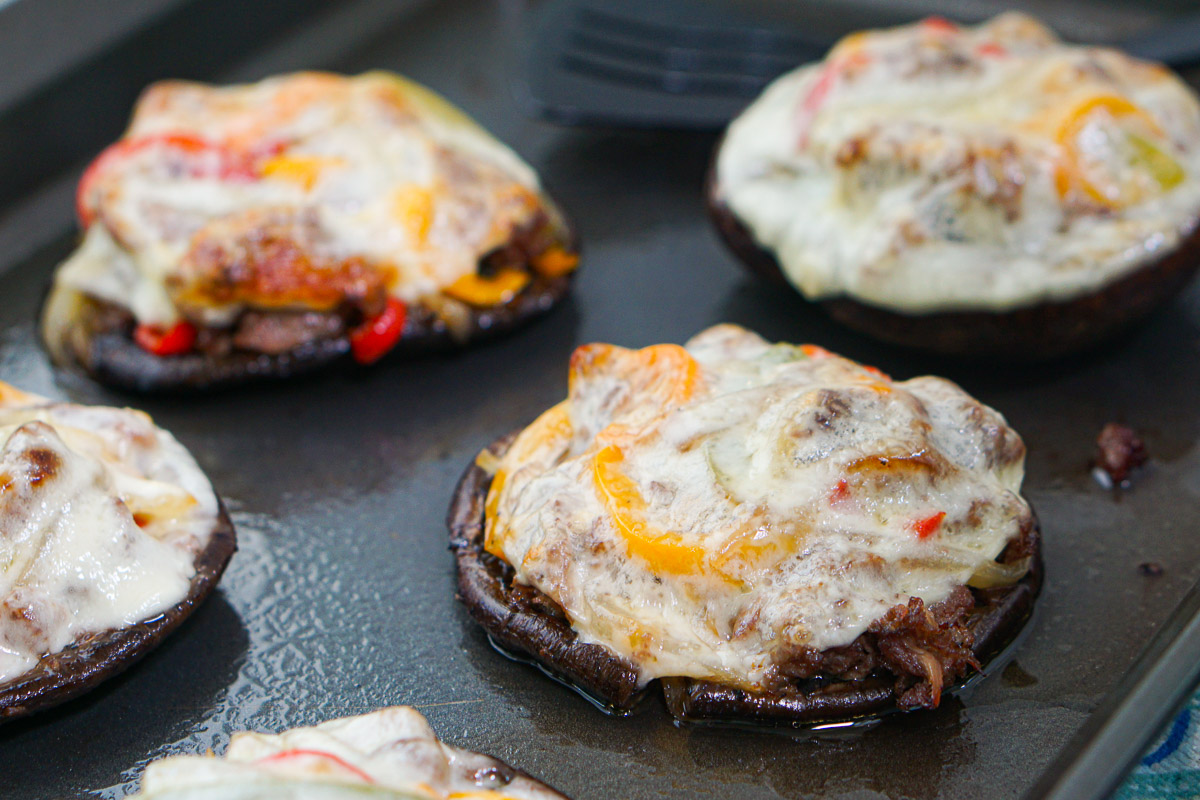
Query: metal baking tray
x=341, y=598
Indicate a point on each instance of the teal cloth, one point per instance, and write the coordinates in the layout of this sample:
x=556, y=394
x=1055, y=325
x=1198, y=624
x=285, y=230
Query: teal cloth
x=1171, y=769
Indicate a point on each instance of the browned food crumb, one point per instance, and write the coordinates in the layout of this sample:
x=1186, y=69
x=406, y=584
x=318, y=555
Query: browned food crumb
x=1119, y=450
x=1151, y=569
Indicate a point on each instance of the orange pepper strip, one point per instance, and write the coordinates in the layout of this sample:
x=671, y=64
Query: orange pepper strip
x=476, y=290
x=299, y=169
x=11, y=395
x=683, y=368
x=553, y=426
x=664, y=552
x=1069, y=174
x=671, y=369
x=555, y=262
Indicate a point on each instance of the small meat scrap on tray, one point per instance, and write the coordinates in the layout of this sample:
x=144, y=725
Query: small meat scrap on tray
x=1119, y=451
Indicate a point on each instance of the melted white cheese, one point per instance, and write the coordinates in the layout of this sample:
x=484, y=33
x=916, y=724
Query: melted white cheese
x=101, y=516
x=918, y=168
x=765, y=498
x=390, y=753
x=372, y=168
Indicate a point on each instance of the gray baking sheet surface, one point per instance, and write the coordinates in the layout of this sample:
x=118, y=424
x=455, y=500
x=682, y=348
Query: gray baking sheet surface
x=341, y=597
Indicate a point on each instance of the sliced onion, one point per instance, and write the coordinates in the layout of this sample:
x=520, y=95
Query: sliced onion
x=455, y=314
x=993, y=574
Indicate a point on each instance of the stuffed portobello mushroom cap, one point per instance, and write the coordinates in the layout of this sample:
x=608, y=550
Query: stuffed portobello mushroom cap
x=266, y=230
x=389, y=754
x=112, y=537
x=774, y=534
x=984, y=191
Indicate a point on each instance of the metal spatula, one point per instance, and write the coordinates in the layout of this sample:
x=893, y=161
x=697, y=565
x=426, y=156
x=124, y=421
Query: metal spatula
x=684, y=64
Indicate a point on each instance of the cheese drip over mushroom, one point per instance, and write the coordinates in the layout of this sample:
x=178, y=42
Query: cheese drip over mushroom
x=101, y=516
x=391, y=754
x=701, y=511
x=932, y=167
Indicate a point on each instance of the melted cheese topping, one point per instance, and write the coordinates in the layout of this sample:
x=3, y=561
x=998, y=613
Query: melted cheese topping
x=390, y=753
x=932, y=167
x=101, y=516
x=704, y=511
x=301, y=191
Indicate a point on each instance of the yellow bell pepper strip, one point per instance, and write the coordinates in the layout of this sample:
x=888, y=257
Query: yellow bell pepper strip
x=1071, y=176
x=551, y=429
x=484, y=292
x=554, y=262
x=1165, y=170
x=493, y=538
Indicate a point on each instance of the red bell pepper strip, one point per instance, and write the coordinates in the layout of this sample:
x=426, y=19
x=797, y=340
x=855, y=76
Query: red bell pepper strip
x=940, y=24
x=928, y=526
x=233, y=164
x=876, y=371
x=174, y=341
x=833, y=72
x=288, y=755
x=373, y=339
x=991, y=50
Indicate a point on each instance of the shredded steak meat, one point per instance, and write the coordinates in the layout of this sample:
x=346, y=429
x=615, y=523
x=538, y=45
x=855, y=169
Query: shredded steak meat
x=926, y=648
x=280, y=331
